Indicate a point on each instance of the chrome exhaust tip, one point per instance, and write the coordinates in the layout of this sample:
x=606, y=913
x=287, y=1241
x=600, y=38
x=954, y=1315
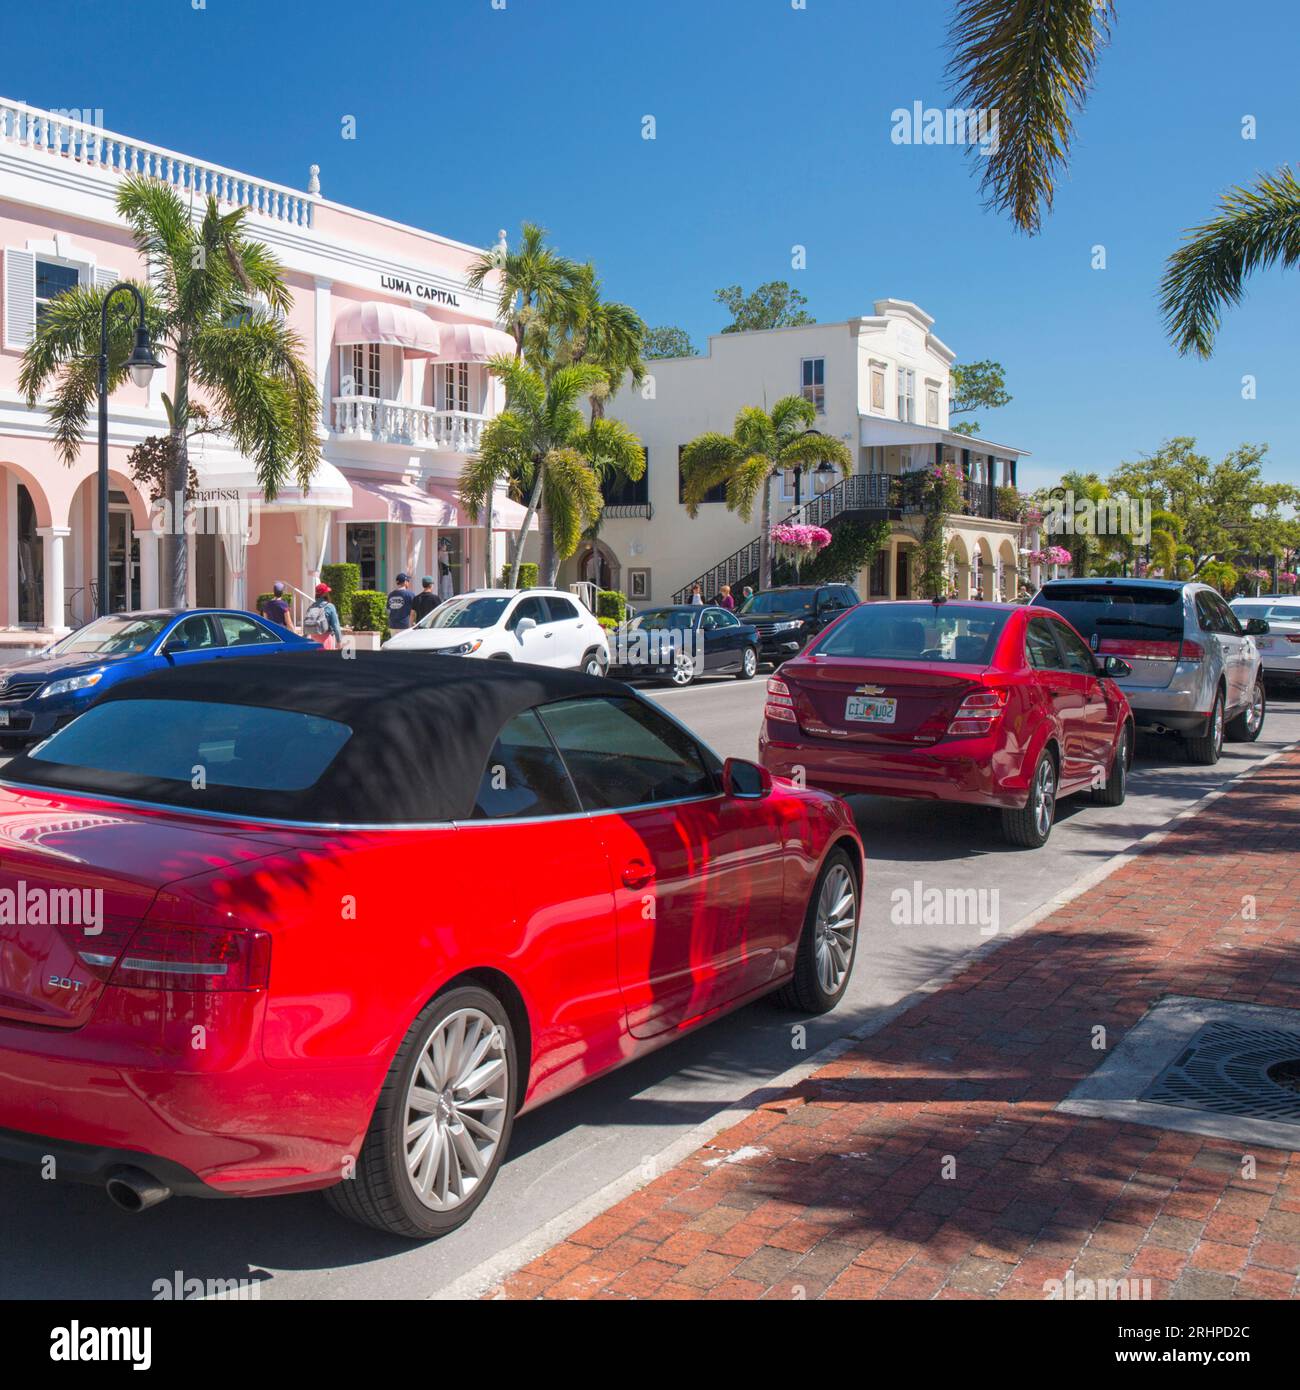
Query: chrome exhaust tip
x=133, y=1190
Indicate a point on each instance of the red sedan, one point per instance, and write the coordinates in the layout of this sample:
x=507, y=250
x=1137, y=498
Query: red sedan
x=987, y=703
x=339, y=935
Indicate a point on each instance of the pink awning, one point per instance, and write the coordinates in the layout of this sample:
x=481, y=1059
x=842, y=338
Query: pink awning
x=391, y=324
x=474, y=342
x=509, y=516
x=403, y=503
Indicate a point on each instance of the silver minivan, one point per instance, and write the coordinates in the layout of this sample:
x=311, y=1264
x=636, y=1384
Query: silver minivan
x=1196, y=670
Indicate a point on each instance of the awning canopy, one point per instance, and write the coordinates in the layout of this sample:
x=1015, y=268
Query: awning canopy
x=473, y=342
x=393, y=325
x=509, y=516
x=234, y=478
x=403, y=503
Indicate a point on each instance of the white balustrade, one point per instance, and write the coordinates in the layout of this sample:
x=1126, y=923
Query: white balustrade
x=46, y=134
x=420, y=426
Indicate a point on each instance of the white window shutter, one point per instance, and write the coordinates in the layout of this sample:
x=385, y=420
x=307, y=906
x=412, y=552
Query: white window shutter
x=105, y=279
x=20, y=297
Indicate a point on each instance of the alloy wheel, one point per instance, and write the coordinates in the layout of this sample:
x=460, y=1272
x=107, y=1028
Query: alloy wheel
x=749, y=661
x=456, y=1107
x=683, y=669
x=1217, y=732
x=1255, y=714
x=1044, y=796
x=836, y=924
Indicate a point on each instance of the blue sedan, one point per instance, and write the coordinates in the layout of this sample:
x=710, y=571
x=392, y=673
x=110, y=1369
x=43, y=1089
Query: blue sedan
x=681, y=641
x=40, y=693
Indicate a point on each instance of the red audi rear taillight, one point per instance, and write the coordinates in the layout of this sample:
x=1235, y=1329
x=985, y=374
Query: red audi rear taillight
x=779, y=704
x=195, y=958
x=977, y=713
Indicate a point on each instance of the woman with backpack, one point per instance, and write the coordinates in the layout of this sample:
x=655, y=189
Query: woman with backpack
x=321, y=621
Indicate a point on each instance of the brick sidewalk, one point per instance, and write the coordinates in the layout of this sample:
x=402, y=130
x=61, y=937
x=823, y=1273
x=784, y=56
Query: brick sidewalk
x=838, y=1189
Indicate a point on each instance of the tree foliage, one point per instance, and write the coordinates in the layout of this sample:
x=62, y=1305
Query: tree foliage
x=773, y=305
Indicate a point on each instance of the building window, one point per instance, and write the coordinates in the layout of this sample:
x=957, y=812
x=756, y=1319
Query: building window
x=363, y=548
x=619, y=491
x=814, y=382
x=359, y=371
x=878, y=583
x=931, y=405
x=907, y=395
x=717, y=493
x=455, y=386
x=52, y=280
x=878, y=388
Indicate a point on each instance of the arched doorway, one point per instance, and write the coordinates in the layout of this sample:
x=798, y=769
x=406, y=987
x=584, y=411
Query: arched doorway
x=598, y=565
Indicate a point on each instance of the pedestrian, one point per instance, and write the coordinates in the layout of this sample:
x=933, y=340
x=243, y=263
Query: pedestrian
x=321, y=621
x=426, y=600
x=276, y=608
x=697, y=597
x=400, y=603
x=724, y=599
x=746, y=593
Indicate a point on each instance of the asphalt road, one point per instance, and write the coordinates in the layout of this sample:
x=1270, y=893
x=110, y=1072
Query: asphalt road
x=63, y=1242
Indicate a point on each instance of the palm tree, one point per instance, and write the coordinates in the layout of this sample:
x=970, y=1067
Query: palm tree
x=535, y=287
x=1253, y=228
x=552, y=454
x=215, y=310
x=600, y=331
x=760, y=445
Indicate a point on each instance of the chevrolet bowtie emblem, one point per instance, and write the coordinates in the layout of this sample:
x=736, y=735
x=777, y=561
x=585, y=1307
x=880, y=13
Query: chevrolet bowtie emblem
x=870, y=690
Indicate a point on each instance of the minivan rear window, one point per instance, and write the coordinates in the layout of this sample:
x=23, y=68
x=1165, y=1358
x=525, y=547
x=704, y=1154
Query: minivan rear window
x=1109, y=610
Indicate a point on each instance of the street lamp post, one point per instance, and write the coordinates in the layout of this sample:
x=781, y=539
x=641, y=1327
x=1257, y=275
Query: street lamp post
x=822, y=467
x=141, y=365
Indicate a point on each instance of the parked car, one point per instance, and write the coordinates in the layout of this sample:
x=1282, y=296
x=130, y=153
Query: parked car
x=542, y=627
x=986, y=703
x=41, y=693
x=788, y=618
x=355, y=1027
x=1280, y=648
x=1196, y=670
x=681, y=641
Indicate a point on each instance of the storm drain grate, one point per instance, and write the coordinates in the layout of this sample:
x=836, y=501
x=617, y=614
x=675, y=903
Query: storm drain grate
x=1232, y=1070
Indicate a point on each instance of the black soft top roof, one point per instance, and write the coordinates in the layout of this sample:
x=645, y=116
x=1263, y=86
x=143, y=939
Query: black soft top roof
x=423, y=726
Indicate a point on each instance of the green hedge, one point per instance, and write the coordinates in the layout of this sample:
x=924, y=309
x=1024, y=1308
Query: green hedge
x=611, y=604
x=369, y=611
x=344, y=581
x=527, y=576
x=260, y=600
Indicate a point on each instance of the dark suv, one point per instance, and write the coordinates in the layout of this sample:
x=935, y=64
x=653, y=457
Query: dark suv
x=788, y=618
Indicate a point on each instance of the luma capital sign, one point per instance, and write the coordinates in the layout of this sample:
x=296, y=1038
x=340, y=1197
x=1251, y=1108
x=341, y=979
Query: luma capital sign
x=415, y=289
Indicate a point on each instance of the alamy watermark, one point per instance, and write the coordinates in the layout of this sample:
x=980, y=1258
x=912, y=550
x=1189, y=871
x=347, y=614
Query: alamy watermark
x=919, y=124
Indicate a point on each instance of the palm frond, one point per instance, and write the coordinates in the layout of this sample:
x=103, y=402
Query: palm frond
x=1032, y=63
x=571, y=498
x=1254, y=228
x=709, y=459
x=747, y=483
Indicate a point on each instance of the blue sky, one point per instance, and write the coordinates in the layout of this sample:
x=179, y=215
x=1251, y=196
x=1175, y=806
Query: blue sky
x=773, y=129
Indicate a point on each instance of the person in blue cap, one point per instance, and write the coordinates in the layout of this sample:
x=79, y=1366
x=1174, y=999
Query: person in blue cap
x=400, y=603
x=426, y=600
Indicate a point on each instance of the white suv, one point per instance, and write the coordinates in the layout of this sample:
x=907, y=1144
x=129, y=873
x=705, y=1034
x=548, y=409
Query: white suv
x=542, y=627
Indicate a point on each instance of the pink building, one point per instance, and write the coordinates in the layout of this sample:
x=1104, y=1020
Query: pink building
x=397, y=341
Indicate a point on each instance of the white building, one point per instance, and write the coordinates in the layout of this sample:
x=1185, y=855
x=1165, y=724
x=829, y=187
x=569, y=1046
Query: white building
x=882, y=385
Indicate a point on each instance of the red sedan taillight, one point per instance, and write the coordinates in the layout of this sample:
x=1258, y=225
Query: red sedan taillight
x=779, y=704
x=204, y=959
x=977, y=713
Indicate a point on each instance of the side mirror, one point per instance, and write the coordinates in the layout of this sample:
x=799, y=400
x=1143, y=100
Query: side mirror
x=1116, y=666
x=1256, y=627
x=525, y=625
x=745, y=780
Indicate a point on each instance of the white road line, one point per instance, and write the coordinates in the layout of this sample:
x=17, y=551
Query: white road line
x=477, y=1282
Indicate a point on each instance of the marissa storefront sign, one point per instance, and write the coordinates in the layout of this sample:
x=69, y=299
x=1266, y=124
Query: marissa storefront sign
x=416, y=289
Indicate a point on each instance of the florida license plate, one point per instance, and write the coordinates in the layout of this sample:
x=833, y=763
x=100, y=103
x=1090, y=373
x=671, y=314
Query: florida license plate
x=869, y=711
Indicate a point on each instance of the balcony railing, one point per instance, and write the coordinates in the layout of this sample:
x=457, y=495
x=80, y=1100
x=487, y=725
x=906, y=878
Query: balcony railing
x=49, y=135
x=417, y=426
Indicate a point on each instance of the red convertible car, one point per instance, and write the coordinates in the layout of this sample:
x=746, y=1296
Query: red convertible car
x=338, y=935
x=987, y=703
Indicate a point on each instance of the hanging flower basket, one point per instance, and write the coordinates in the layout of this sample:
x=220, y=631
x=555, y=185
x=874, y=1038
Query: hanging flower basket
x=798, y=543
x=1053, y=555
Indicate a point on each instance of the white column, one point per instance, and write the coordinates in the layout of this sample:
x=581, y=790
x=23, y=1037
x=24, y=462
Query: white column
x=148, y=567
x=324, y=332
x=52, y=538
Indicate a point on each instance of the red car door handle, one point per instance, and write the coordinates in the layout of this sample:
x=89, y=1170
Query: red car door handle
x=637, y=874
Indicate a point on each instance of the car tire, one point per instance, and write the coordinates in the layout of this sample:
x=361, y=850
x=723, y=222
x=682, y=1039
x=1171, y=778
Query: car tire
x=748, y=665
x=593, y=663
x=1116, y=785
x=1205, y=751
x=821, y=971
x=683, y=672
x=1028, y=826
x=1249, y=724
x=383, y=1193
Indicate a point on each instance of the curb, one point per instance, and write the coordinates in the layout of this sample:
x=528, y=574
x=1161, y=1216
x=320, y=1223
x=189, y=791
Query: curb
x=485, y=1276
